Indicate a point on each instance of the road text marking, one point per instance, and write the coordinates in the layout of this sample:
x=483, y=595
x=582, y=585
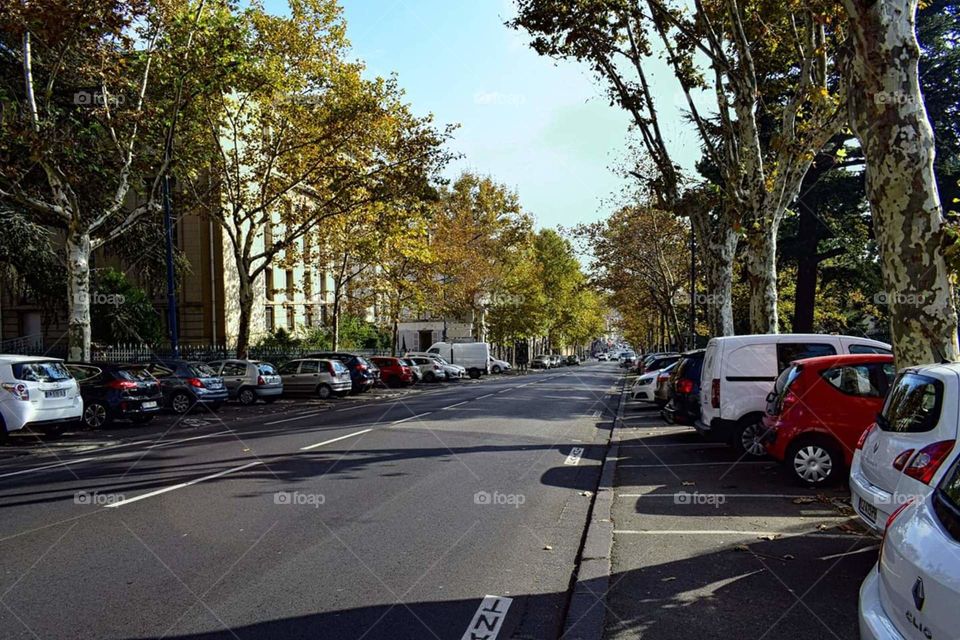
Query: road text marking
x=575, y=455
x=488, y=619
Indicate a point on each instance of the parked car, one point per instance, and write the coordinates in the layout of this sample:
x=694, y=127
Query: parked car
x=555, y=360
x=414, y=369
x=474, y=357
x=186, y=384
x=603, y=357
x=114, y=391
x=572, y=361
x=38, y=393
x=902, y=454
x=662, y=386
x=319, y=377
x=740, y=371
x=657, y=361
x=628, y=360
x=683, y=406
x=645, y=386
x=393, y=371
x=541, y=362
x=913, y=592
x=818, y=410
x=450, y=371
x=430, y=369
x=498, y=366
x=363, y=375
x=249, y=380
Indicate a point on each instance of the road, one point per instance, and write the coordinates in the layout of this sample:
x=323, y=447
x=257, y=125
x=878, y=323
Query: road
x=431, y=516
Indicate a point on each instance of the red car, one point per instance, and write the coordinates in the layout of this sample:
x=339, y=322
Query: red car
x=818, y=410
x=392, y=371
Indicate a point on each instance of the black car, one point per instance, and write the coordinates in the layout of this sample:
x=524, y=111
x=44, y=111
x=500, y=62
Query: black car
x=683, y=407
x=572, y=360
x=363, y=373
x=113, y=391
x=186, y=384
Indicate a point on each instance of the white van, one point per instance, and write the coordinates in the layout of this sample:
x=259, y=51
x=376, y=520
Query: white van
x=739, y=372
x=472, y=356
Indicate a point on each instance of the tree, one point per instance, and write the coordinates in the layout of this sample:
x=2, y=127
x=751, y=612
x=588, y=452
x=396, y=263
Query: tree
x=561, y=279
x=888, y=116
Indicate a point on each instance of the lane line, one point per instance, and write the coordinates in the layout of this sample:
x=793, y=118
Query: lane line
x=764, y=496
x=308, y=415
x=419, y=415
x=484, y=396
x=180, y=486
x=459, y=404
x=332, y=440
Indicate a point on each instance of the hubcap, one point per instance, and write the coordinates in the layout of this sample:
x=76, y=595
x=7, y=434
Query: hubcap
x=813, y=463
x=181, y=404
x=324, y=392
x=246, y=396
x=751, y=440
x=94, y=415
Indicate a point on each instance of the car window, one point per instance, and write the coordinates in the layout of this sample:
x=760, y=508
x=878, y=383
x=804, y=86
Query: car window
x=83, y=372
x=853, y=380
x=134, y=374
x=160, y=371
x=434, y=350
x=310, y=366
x=216, y=365
x=290, y=367
x=52, y=371
x=266, y=369
x=787, y=352
x=946, y=503
x=913, y=405
x=200, y=370
x=338, y=366
x=234, y=369
x=866, y=348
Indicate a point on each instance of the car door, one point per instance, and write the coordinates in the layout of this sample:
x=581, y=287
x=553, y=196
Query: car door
x=288, y=374
x=234, y=375
x=856, y=395
x=309, y=376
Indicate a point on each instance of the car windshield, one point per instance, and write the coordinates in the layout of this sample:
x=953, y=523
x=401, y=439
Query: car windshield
x=134, y=374
x=266, y=369
x=48, y=371
x=201, y=370
x=913, y=405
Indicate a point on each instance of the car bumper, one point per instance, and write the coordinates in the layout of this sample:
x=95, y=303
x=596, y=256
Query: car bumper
x=341, y=386
x=29, y=414
x=126, y=408
x=643, y=393
x=875, y=624
x=211, y=396
x=863, y=495
x=269, y=392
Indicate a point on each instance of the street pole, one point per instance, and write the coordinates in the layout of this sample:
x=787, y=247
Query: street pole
x=171, y=275
x=693, y=288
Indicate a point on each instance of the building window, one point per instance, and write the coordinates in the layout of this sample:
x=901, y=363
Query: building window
x=290, y=286
x=268, y=282
x=308, y=315
x=308, y=283
x=269, y=319
x=291, y=318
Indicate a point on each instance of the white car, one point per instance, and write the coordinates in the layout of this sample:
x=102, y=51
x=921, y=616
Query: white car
x=601, y=356
x=901, y=456
x=450, y=371
x=38, y=393
x=498, y=366
x=914, y=590
x=430, y=369
x=645, y=386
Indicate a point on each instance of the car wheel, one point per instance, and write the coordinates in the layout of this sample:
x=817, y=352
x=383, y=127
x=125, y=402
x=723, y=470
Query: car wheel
x=814, y=463
x=496, y=369
x=181, y=402
x=430, y=376
x=324, y=391
x=95, y=415
x=247, y=397
x=474, y=374
x=747, y=438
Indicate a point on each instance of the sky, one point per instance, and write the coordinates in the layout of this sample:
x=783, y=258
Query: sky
x=543, y=128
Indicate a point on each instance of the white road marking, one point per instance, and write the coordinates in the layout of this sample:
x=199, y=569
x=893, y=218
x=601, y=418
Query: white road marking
x=459, y=404
x=850, y=553
x=790, y=496
x=46, y=467
x=484, y=396
x=721, y=532
x=676, y=444
x=419, y=415
x=689, y=464
x=488, y=619
x=359, y=406
x=504, y=390
x=182, y=485
x=332, y=440
x=209, y=435
x=574, y=457
x=308, y=415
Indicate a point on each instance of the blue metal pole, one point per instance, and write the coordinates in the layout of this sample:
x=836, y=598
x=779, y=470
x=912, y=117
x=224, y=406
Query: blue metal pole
x=171, y=274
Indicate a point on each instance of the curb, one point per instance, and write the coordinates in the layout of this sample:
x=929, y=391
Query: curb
x=586, y=613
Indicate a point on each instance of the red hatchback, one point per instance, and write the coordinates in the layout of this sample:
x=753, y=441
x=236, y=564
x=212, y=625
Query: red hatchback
x=392, y=371
x=818, y=410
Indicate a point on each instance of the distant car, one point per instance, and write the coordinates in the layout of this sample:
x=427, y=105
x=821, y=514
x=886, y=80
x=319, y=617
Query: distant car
x=573, y=360
x=393, y=371
x=628, y=360
x=902, y=454
x=414, y=369
x=363, y=375
x=38, y=393
x=656, y=361
x=319, y=377
x=555, y=360
x=684, y=404
x=249, y=380
x=498, y=366
x=186, y=384
x=430, y=369
x=116, y=391
x=602, y=356
x=541, y=362
x=450, y=371
x=818, y=410
x=662, y=385
x=913, y=592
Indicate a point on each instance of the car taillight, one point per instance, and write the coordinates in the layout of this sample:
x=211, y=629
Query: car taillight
x=195, y=382
x=866, y=434
x=715, y=393
x=18, y=390
x=789, y=399
x=893, y=516
x=361, y=367
x=925, y=464
x=261, y=381
x=684, y=386
x=901, y=460
x=122, y=385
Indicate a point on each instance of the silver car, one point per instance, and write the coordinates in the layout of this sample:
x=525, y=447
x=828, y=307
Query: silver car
x=320, y=378
x=249, y=380
x=414, y=367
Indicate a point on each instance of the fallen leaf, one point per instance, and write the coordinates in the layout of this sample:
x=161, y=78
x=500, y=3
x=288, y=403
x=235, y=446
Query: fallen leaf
x=687, y=483
x=803, y=500
x=547, y=547
x=668, y=579
x=769, y=536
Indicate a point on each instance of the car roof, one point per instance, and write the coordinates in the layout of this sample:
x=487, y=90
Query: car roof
x=15, y=359
x=774, y=337
x=845, y=358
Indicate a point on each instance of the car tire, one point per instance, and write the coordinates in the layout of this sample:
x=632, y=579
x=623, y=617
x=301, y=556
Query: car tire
x=95, y=415
x=430, y=376
x=324, y=392
x=4, y=434
x=746, y=437
x=814, y=462
x=496, y=369
x=474, y=374
x=181, y=402
x=247, y=396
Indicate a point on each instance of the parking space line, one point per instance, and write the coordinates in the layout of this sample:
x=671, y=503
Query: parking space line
x=815, y=533
x=728, y=463
x=459, y=404
x=419, y=415
x=483, y=396
x=331, y=440
x=182, y=485
x=675, y=444
x=308, y=415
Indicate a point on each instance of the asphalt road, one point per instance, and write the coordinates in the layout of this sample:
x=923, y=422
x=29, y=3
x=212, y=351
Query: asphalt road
x=456, y=513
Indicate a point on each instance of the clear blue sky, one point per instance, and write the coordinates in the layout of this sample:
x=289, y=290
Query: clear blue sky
x=543, y=128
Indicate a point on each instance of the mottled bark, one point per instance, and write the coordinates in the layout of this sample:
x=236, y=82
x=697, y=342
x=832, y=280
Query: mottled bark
x=760, y=260
x=335, y=320
x=78, y=246
x=717, y=247
x=889, y=118
x=245, y=300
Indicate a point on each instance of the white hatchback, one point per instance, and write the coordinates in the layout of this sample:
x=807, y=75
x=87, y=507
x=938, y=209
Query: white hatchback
x=914, y=590
x=901, y=457
x=38, y=393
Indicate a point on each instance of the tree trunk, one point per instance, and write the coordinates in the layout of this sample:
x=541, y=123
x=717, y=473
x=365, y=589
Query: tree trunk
x=245, y=300
x=78, y=295
x=889, y=118
x=717, y=249
x=396, y=335
x=761, y=265
x=335, y=320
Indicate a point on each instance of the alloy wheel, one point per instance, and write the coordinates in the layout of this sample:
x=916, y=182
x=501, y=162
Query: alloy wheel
x=94, y=415
x=750, y=440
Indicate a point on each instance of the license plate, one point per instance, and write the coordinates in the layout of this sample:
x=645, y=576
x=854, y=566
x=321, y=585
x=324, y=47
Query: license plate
x=55, y=393
x=867, y=510
x=149, y=404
